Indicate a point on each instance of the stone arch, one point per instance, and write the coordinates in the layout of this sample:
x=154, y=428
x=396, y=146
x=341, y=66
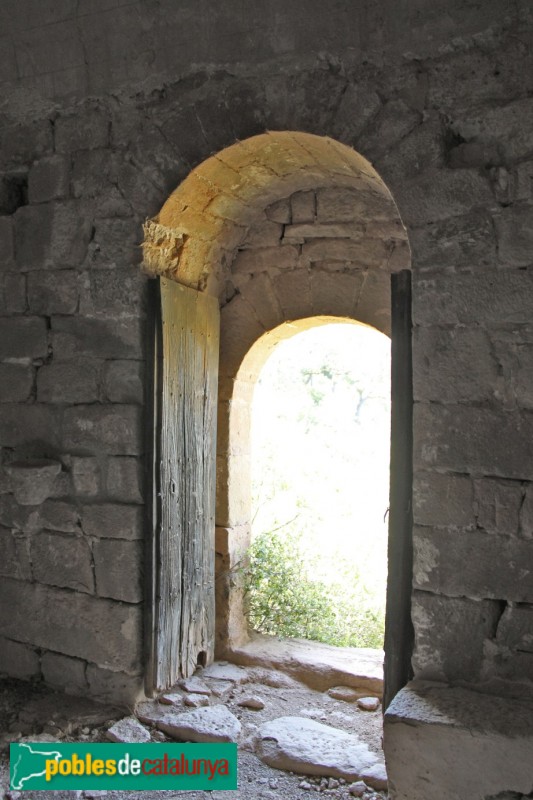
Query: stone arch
x=281, y=227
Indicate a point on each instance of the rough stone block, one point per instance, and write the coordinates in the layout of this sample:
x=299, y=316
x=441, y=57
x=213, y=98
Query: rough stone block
x=123, y=382
x=85, y=337
x=118, y=568
x=442, y=194
x=118, y=688
x=421, y=151
x=85, y=476
x=113, y=520
x=471, y=565
x=374, y=302
x=363, y=253
x=259, y=293
x=293, y=291
x=264, y=259
x=298, y=234
x=464, y=439
x=63, y=672
x=16, y=383
x=61, y=560
x=51, y=235
x=303, y=207
x=117, y=242
x=15, y=293
x=114, y=293
x=498, y=505
x=454, y=365
x=53, y=292
x=445, y=501
x=503, y=296
x=85, y=131
x=359, y=103
x=92, y=173
x=23, y=337
x=6, y=243
x=25, y=142
x=468, y=240
x=238, y=331
x=515, y=629
x=334, y=294
x=450, y=635
x=263, y=234
x=34, y=425
x=509, y=126
x=115, y=430
x=48, y=179
x=18, y=660
x=124, y=480
x=61, y=516
x=14, y=555
x=72, y=623
x=514, y=232
x=68, y=382
x=517, y=367
x=524, y=180
x=20, y=518
x=279, y=211
x=463, y=728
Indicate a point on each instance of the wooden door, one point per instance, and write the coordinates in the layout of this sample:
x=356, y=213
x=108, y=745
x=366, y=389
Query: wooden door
x=181, y=609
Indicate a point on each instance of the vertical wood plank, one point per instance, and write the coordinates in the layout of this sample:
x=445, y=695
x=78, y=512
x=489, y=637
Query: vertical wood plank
x=184, y=603
x=399, y=635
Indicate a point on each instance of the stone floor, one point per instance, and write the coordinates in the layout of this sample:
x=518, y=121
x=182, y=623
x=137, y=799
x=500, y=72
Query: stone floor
x=253, y=697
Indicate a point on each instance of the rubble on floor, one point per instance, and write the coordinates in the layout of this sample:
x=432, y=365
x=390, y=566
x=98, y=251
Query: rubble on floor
x=285, y=749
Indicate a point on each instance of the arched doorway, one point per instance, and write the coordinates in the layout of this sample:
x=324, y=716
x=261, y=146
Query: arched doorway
x=281, y=227
x=320, y=452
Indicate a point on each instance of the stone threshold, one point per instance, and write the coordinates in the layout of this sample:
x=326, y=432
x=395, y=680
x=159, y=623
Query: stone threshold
x=319, y=666
x=454, y=743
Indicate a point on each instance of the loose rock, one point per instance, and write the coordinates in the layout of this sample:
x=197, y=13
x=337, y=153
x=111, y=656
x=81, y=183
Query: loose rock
x=302, y=745
x=128, y=729
x=357, y=789
x=252, y=701
x=195, y=685
x=345, y=693
x=212, y=724
x=368, y=703
x=171, y=699
x=223, y=671
x=196, y=700
x=150, y=711
x=375, y=776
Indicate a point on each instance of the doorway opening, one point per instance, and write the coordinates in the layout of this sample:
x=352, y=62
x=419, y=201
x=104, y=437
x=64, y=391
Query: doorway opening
x=272, y=231
x=320, y=449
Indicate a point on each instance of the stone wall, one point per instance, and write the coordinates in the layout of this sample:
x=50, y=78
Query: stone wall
x=108, y=110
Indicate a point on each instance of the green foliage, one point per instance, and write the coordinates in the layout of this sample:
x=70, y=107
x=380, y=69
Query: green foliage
x=284, y=599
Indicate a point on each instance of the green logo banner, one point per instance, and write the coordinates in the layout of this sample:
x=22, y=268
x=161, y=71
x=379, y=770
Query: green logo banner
x=55, y=766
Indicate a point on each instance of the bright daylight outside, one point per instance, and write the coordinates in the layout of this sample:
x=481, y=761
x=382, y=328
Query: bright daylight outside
x=320, y=483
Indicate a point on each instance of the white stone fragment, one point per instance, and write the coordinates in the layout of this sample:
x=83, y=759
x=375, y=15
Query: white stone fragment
x=375, y=776
x=194, y=700
x=368, y=703
x=302, y=745
x=252, y=701
x=223, y=671
x=345, y=693
x=128, y=729
x=213, y=724
x=195, y=685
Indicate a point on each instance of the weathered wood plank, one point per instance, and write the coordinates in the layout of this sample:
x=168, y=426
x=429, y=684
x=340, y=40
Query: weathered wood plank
x=399, y=634
x=185, y=585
